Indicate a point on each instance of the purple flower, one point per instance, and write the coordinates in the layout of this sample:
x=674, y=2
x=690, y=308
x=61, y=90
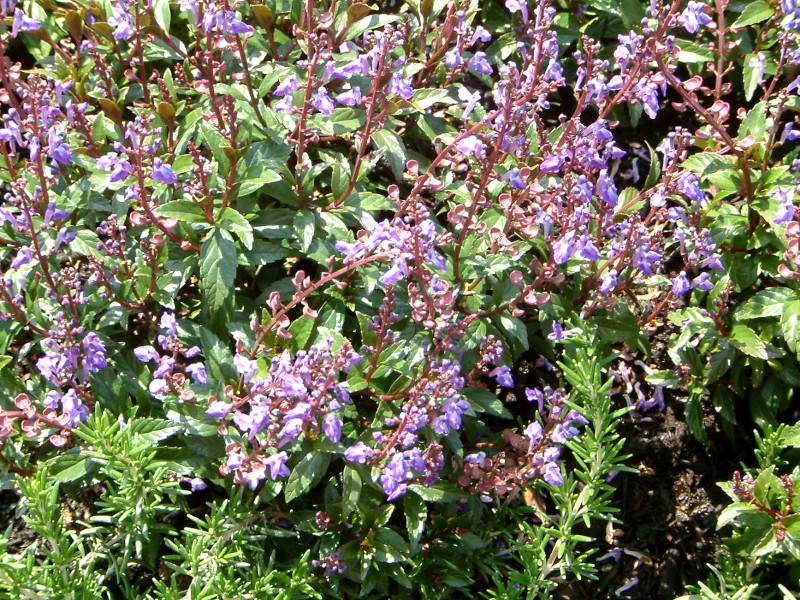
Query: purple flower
x=559, y=333
x=702, y=282
x=224, y=22
x=157, y=386
x=552, y=474
x=146, y=353
x=400, y=87
x=122, y=20
x=358, y=453
x=453, y=58
x=480, y=64
x=165, y=365
x=191, y=6
x=589, y=251
x=120, y=167
x=396, y=272
x=255, y=475
x=394, y=476
x=476, y=458
x=534, y=434
x=503, y=376
x=332, y=426
x=198, y=373
x=514, y=179
x=482, y=34
x=22, y=258
x=552, y=164
x=609, y=282
x=59, y=149
x=471, y=99
x=680, y=285
x=518, y=6
x=277, y=465
x=94, y=357
x=689, y=186
x=554, y=70
x=245, y=366
x=287, y=86
x=232, y=26
x=693, y=17
x=218, y=409
x=471, y=146
x=323, y=102
x=351, y=97
x=58, y=363
x=197, y=484
x=73, y=406
x=647, y=93
x=785, y=212
x=606, y=190
x=23, y=23
x=564, y=248
x=535, y=395
x=163, y=172
x=643, y=404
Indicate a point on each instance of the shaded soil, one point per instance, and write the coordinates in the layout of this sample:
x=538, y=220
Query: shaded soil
x=668, y=509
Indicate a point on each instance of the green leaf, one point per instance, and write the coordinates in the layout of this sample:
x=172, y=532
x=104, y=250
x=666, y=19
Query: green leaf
x=306, y=474
x=162, y=14
x=351, y=490
x=693, y=53
x=486, y=401
x=632, y=12
x=441, y=492
x=790, y=324
x=185, y=211
x=756, y=12
x=416, y=513
x=153, y=431
x=747, y=340
x=389, y=546
x=70, y=466
x=304, y=227
x=733, y=511
x=694, y=417
x=217, y=269
x=232, y=220
x=766, y=303
x=388, y=141
x=654, y=174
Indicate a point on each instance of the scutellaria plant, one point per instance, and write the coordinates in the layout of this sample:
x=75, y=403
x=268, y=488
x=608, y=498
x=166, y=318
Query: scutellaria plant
x=312, y=241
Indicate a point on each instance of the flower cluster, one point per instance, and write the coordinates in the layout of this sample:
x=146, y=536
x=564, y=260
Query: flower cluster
x=299, y=397
x=528, y=456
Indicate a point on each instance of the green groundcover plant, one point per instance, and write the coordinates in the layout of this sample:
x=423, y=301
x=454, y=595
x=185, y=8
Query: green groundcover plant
x=269, y=271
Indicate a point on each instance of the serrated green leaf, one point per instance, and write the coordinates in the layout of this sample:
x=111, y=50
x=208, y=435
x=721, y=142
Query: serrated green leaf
x=766, y=303
x=790, y=324
x=351, y=490
x=694, y=417
x=745, y=339
x=486, y=401
x=756, y=12
x=306, y=474
x=185, y=211
x=304, y=228
x=232, y=220
x=394, y=148
x=416, y=513
x=217, y=269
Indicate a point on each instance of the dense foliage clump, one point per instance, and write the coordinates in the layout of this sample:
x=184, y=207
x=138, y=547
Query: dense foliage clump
x=328, y=300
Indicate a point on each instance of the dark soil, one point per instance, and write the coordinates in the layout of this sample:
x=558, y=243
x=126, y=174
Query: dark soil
x=668, y=509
